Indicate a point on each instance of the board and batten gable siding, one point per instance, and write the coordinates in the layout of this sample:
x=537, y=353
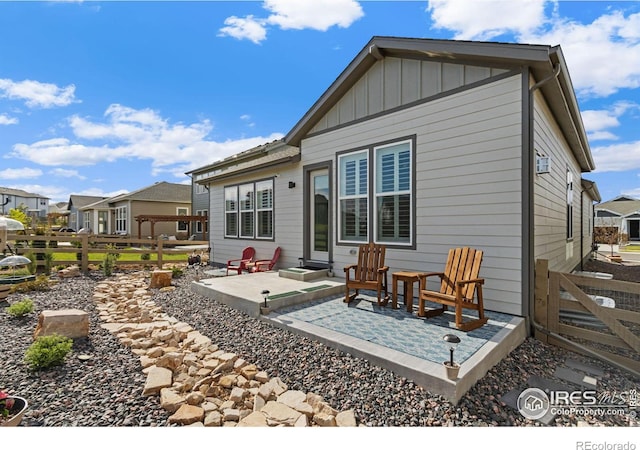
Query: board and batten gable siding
x=550, y=206
x=287, y=218
x=394, y=82
x=468, y=182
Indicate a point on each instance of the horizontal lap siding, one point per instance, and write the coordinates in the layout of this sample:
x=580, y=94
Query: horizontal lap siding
x=287, y=218
x=550, y=194
x=468, y=179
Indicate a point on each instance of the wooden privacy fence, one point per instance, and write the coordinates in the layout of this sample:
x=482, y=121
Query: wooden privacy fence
x=81, y=246
x=589, y=315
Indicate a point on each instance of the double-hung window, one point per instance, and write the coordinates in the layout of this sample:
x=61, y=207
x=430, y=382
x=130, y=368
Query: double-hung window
x=249, y=210
x=245, y=199
x=264, y=209
x=393, y=193
x=353, y=196
x=231, y=211
x=569, y=204
x=375, y=198
x=121, y=219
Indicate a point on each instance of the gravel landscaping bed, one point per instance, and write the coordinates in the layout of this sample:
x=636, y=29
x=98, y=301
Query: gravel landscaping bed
x=106, y=390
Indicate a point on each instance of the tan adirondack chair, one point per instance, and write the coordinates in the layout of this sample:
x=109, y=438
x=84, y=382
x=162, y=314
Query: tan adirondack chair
x=368, y=273
x=459, y=282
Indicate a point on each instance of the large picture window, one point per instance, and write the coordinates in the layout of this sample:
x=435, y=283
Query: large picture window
x=383, y=213
x=249, y=210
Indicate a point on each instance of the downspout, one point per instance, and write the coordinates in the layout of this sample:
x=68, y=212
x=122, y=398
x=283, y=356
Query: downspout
x=582, y=230
x=528, y=249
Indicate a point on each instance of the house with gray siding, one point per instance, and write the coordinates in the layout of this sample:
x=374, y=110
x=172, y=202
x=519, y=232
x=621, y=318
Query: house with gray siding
x=75, y=205
x=422, y=145
x=199, y=207
x=35, y=205
x=622, y=212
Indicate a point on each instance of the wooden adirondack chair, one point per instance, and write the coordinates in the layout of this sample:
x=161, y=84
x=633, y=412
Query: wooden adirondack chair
x=459, y=282
x=369, y=273
x=264, y=265
x=238, y=265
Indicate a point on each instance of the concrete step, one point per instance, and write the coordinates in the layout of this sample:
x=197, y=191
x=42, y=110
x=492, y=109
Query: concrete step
x=301, y=274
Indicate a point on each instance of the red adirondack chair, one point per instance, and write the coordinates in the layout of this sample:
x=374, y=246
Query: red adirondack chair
x=264, y=265
x=238, y=265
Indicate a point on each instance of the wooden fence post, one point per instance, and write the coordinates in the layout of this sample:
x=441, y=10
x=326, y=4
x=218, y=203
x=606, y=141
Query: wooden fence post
x=159, y=249
x=541, y=298
x=84, y=238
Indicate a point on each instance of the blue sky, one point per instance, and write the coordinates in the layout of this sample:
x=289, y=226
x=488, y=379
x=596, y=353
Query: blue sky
x=99, y=98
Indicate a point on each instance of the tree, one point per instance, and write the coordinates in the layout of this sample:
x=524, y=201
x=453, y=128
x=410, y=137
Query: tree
x=20, y=214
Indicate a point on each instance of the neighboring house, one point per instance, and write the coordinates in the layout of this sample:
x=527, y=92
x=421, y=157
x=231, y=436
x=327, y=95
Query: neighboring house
x=58, y=214
x=622, y=212
x=37, y=206
x=76, y=216
x=200, y=207
x=422, y=145
x=117, y=215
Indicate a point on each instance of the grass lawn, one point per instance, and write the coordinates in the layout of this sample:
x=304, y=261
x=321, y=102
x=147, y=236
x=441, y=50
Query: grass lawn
x=630, y=248
x=99, y=256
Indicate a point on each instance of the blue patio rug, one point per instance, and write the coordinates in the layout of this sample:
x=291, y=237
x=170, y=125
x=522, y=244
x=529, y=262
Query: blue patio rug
x=397, y=329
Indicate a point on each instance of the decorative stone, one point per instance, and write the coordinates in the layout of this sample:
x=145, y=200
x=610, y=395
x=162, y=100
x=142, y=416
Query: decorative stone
x=157, y=378
x=254, y=419
x=171, y=401
x=213, y=419
x=160, y=279
x=277, y=413
x=346, y=419
x=187, y=414
x=72, y=323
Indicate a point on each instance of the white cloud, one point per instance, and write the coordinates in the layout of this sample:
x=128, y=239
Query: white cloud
x=482, y=20
x=597, y=122
x=19, y=174
x=244, y=28
x=143, y=134
x=37, y=94
x=53, y=193
x=317, y=15
x=66, y=173
x=617, y=157
x=585, y=46
x=6, y=120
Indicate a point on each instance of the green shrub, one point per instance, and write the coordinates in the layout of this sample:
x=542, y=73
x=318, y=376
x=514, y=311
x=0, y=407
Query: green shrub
x=109, y=260
x=33, y=265
x=145, y=256
x=21, y=308
x=41, y=283
x=48, y=351
x=176, y=272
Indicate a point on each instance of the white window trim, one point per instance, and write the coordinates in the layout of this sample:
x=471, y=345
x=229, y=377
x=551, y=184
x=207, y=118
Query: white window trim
x=385, y=194
x=253, y=211
x=121, y=218
x=258, y=210
x=199, y=225
x=234, y=211
x=349, y=197
x=186, y=213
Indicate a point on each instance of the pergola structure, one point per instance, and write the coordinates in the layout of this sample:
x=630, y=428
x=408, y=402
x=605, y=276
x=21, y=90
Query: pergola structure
x=170, y=218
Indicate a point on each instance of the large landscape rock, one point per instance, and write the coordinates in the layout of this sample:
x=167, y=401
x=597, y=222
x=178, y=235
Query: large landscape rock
x=72, y=323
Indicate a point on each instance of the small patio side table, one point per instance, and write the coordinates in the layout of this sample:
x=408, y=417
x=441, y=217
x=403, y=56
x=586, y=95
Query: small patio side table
x=408, y=278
